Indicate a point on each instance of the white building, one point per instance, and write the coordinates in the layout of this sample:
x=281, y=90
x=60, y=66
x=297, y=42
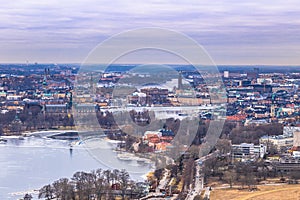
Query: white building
x=246, y=151
x=296, y=154
x=264, y=80
x=278, y=140
x=226, y=74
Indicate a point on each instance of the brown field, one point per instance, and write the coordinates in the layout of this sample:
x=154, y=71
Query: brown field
x=280, y=192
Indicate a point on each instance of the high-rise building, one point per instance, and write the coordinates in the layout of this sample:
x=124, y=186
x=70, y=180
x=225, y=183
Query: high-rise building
x=226, y=74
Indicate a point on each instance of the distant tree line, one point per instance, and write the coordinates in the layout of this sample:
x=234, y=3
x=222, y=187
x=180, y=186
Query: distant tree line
x=15, y=123
x=252, y=133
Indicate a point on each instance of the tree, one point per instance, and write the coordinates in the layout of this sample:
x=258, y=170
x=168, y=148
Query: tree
x=230, y=177
x=124, y=180
x=115, y=175
x=194, y=151
x=188, y=173
x=252, y=134
x=46, y=192
x=197, y=197
x=271, y=148
x=83, y=184
x=227, y=128
x=27, y=197
x=245, y=174
x=158, y=173
x=99, y=183
x=107, y=181
x=224, y=146
x=93, y=185
x=295, y=176
x=63, y=189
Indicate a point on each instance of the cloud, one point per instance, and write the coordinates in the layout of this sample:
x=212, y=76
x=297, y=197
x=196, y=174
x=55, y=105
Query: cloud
x=75, y=27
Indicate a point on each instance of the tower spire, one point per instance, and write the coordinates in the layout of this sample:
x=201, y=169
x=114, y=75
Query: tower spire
x=180, y=80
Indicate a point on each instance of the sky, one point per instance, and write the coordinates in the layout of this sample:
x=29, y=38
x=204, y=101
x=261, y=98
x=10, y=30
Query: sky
x=256, y=32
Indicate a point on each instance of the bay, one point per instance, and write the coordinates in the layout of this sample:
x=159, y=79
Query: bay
x=30, y=163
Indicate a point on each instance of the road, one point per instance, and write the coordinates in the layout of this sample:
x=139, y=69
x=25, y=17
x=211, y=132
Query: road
x=162, y=185
x=199, y=178
x=164, y=181
x=198, y=182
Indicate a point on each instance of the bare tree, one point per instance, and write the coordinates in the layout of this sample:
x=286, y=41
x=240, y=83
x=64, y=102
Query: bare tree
x=188, y=173
x=230, y=177
x=99, y=183
x=46, y=192
x=63, y=189
x=224, y=146
x=124, y=182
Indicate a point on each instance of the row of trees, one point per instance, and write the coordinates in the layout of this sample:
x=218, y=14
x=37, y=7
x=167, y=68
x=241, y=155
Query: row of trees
x=244, y=173
x=98, y=184
x=238, y=172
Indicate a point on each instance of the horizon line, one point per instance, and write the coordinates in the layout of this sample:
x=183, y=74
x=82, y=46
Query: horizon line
x=77, y=63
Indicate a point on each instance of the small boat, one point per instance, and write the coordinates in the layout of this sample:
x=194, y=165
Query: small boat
x=3, y=141
x=21, y=138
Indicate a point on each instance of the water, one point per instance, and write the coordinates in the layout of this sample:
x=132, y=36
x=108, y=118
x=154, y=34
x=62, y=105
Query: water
x=29, y=164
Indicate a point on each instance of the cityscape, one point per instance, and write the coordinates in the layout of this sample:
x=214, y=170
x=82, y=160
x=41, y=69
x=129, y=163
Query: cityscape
x=260, y=136
x=150, y=100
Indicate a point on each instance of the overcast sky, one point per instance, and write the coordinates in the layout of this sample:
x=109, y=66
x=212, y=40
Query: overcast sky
x=233, y=31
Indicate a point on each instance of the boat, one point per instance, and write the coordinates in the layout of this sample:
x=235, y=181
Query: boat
x=3, y=141
x=21, y=138
x=182, y=114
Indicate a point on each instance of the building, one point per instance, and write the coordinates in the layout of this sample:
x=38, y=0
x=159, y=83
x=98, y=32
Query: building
x=152, y=137
x=289, y=130
x=296, y=154
x=248, y=152
x=226, y=74
x=137, y=98
x=159, y=140
x=156, y=95
x=280, y=141
x=262, y=89
x=264, y=81
x=56, y=108
x=288, y=164
x=296, y=137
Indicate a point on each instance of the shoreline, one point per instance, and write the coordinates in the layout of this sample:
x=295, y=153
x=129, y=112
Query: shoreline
x=131, y=156
x=23, y=133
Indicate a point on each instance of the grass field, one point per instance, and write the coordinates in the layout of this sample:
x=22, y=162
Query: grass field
x=280, y=192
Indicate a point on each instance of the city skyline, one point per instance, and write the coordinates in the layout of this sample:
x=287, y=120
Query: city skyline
x=233, y=32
